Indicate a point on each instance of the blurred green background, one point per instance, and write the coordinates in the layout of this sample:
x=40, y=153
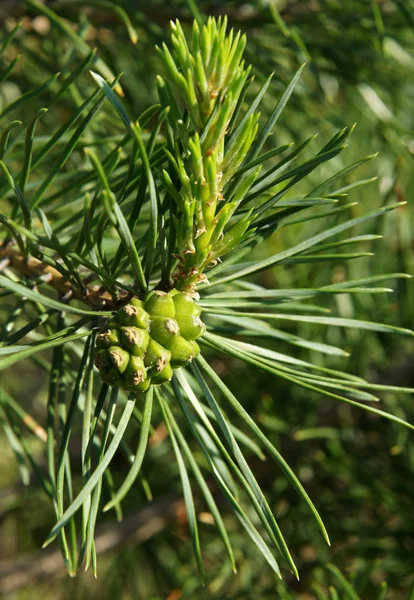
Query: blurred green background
x=357, y=468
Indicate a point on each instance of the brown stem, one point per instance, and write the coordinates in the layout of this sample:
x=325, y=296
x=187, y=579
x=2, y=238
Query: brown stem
x=33, y=268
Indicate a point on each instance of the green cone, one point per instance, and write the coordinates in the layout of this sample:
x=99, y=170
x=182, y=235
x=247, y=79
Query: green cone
x=137, y=302
x=135, y=316
x=160, y=304
x=156, y=356
x=185, y=305
x=110, y=337
x=183, y=352
x=118, y=357
x=187, y=315
x=164, y=375
x=191, y=326
x=164, y=331
x=135, y=340
x=145, y=340
x=136, y=375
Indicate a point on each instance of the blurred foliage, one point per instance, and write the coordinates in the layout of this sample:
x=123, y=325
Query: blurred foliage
x=358, y=468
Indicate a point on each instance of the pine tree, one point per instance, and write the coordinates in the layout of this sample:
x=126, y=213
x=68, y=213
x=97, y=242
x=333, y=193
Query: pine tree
x=122, y=276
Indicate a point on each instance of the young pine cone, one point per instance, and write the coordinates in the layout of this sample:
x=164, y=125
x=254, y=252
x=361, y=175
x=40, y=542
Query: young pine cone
x=146, y=340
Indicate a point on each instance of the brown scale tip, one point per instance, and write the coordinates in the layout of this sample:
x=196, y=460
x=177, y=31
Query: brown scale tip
x=160, y=363
x=117, y=358
x=131, y=335
x=130, y=310
x=105, y=336
x=171, y=326
x=138, y=377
